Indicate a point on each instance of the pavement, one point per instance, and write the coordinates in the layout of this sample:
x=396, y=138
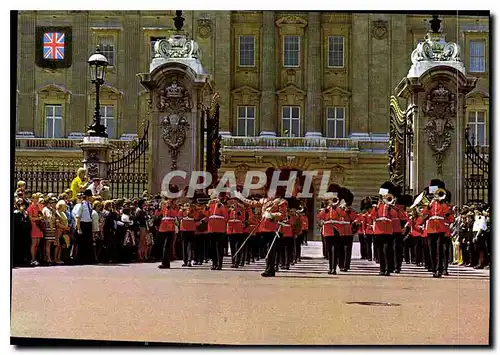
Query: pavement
x=301, y=306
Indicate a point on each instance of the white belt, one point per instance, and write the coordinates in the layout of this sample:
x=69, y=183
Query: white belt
x=285, y=224
x=383, y=219
x=187, y=219
x=216, y=216
x=331, y=221
x=344, y=222
x=437, y=217
x=168, y=218
x=235, y=220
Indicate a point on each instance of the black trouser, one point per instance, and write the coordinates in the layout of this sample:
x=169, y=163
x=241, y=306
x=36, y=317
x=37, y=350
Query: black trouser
x=166, y=239
x=333, y=246
x=362, y=245
x=235, y=241
x=348, y=251
x=287, y=246
x=198, y=247
x=426, y=253
x=398, y=250
x=417, y=251
x=218, y=242
x=407, y=249
x=207, y=247
x=435, y=241
x=384, y=244
x=268, y=238
x=85, y=241
x=368, y=246
x=298, y=245
x=324, y=247
x=447, y=245
x=187, y=245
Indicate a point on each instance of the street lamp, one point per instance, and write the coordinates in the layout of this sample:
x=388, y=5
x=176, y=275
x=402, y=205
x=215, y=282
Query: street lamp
x=97, y=64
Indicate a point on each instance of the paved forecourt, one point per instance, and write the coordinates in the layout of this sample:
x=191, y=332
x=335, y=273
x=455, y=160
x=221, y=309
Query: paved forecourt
x=303, y=305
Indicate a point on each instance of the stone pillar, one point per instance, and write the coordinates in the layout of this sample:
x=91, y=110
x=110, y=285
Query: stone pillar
x=314, y=69
x=360, y=60
x=129, y=122
x=222, y=72
x=268, y=117
x=95, y=156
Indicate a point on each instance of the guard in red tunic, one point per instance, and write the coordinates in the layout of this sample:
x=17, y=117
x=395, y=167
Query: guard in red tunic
x=435, y=215
x=217, y=227
x=331, y=228
x=187, y=227
x=235, y=229
x=304, y=221
x=382, y=215
x=398, y=223
x=350, y=228
x=415, y=235
x=369, y=229
x=166, y=231
x=360, y=223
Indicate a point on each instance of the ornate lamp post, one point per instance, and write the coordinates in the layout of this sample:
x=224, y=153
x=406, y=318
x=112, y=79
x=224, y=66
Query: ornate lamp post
x=97, y=64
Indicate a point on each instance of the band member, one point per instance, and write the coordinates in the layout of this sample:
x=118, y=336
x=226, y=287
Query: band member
x=397, y=228
x=435, y=214
x=304, y=219
x=187, y=227
x=252, y=247
x=217, y=227
x=235, y=229
x=201, y=232
x=290, y=225
x=369, y=229
x=166, y=231
x=382, y=215
x=415, y=237
x=350, y=227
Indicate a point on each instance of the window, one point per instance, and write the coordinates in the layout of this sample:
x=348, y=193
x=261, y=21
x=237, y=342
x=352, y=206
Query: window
x=477, y=62
x=477, y=128
x=108, y=120
x=291, y=51
x=246, y=121
x=106, y=44
x=335, y=52
x=152, y=41
x=291, y=121
x=335, y=122
x=53, y=121
x=247, y=51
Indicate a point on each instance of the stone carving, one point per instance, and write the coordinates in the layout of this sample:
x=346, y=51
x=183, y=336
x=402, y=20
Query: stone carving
x=395, y=149
x=435, y=48
x=440, y=109
x=379, y=29
x=337, y=175
x=175, y=101
x=204, y=27
x=177, y=46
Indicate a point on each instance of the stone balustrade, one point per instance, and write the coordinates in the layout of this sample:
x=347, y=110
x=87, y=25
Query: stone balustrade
x=61, y=143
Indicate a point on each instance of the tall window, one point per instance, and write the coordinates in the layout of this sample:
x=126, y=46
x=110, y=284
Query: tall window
x=477, y=128
x=152, y=41
x=247, y=51
x=477, y=59
x=335, y=118
x=107, y=47
x=335, y=51
x=108, y=120
x=291, y=51
x=246, y=121
x=291, y=121
x=53, y=121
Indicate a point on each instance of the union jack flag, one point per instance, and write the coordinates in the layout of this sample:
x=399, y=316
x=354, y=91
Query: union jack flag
x=53, y=46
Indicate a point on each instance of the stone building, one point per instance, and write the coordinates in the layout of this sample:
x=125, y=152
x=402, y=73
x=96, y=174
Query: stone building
x=306, y=90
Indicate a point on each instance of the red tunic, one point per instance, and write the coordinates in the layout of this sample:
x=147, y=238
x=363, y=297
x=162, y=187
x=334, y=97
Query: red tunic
x=382, y=216
x=287, y=226
x=415, y=227
x=188, y=221
x=236, y=222
x=271, y=225
x=436, y=213
x=217, y=218
x=350, y=217
x=331, y=218
x=368, y=223
x=202, y=215
x=396, y=221
x=168, y=221
x=305, y=222
x=361, y=222
x=251, y=220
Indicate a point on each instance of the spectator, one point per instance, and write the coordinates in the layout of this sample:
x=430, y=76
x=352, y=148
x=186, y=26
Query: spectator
x=62, y=229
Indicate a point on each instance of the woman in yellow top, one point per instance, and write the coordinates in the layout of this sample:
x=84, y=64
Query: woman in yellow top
x=79, y=183
x=62, y=229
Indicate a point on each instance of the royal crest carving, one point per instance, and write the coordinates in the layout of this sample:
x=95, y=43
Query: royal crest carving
x=175, y=101
x=177, y=46
x=379, y=29
x=204, y=28
x=440, y=110
x=435, y=48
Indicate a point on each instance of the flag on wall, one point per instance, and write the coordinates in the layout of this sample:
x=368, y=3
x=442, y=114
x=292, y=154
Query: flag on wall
x=53, y=47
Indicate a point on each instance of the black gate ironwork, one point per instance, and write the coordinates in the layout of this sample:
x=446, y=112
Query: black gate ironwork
x=213, y=139
x=128, y=176
x=477, y=168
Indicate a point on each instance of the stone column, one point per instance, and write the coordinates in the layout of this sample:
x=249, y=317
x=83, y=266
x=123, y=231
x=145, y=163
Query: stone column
x=95, y=156
x=222, y=72
x=313, y=114
x=360, y=60
x=268, y=118
x=130, y=67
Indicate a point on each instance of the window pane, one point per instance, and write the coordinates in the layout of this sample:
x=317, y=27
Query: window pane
x=472, y=116
x=339, y=128
x=480, y=116
x=336, y=51
x=477, y=55
x=247, y=50
x=58, y=128
x=295, y=128
x=481, y=134
x=49, y=133
x=250, y=111
x=251, y=127
x=291, y=51
x=58, y=110
x=241, y=111
x=286, y=126
x=111, y=127
x=330, y=112
x=295, y=112
x=286, y=112
x=241, y=127
x=331, y=129
x=340, y=112
x=107, y=49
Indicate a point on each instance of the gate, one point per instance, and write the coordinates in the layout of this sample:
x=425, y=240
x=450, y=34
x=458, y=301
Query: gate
x=476, y=172
x=128, y=175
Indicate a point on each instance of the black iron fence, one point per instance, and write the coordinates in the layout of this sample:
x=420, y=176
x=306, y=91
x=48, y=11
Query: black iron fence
x=477, y=166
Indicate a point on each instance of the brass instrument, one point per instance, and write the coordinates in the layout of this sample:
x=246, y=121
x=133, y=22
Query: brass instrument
x=420, y=201
x=389, y=200
x=440, y=194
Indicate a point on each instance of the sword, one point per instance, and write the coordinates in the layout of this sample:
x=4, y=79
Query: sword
x=247, y=239
x=277, y=235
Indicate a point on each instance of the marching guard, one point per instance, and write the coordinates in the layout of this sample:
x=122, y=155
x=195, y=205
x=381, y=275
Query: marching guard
x=167, y=231
x=217, y=228
x=235, y=229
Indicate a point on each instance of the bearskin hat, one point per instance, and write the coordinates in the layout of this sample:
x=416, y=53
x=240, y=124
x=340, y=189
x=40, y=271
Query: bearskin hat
x=396, y=191
x=348, y=197
x=405, y=200
x=438, y=183
x=293, y=203
x=386, y=187
x=448, y=197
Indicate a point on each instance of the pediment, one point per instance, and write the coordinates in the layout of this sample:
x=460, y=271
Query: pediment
x=54, y=88
x=291, y=90
x=109, y=89
x=246, y=90
x=336, y=91
x=291, y=20
x=478, y=94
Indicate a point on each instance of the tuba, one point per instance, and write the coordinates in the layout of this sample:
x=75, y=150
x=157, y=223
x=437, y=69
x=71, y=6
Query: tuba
x=440, y=194
x=420, y=201
x=389, y=200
